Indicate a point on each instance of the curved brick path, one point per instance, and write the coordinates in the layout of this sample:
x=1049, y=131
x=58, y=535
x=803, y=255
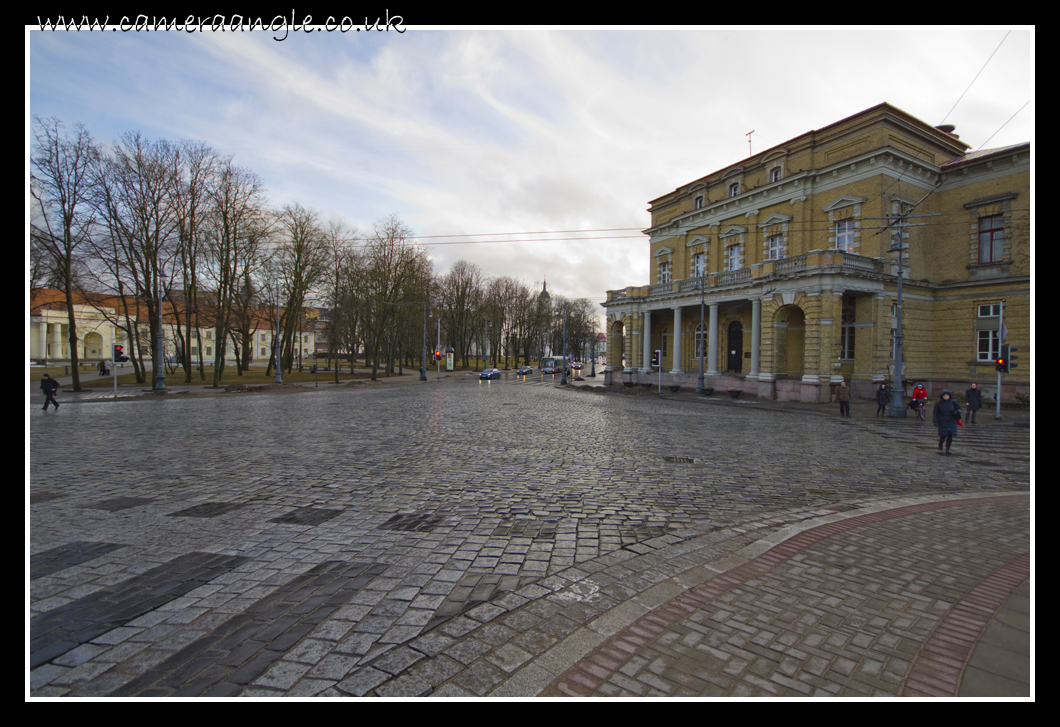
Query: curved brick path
x=884, y=604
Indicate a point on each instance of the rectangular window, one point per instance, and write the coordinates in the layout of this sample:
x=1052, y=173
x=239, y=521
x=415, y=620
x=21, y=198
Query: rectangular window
x=665, y=273
x=732, y=258
x=991, y=239
x=775, y=175
x=776, y=247
x=844, y=235
x=699, y=265
x=698, y=204
x=734, y=189
x=988, y=345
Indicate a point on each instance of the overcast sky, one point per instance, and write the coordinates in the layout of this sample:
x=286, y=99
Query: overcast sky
x=481, y=132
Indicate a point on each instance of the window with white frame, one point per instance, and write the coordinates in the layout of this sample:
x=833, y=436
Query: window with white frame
x=844, y=235
x=989, y=344
x=699, y=265
x=700, y=342
x=733, y=259
x=991, y=238
x=775, y=174
x=775, y=250
x=734, y=189
x=665, y=272
x=698, y=202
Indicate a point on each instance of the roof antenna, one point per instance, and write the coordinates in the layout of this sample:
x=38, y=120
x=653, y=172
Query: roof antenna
x=748, y=135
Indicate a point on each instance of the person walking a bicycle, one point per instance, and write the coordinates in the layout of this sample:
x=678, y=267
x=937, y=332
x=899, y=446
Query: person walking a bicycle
x=919, y=401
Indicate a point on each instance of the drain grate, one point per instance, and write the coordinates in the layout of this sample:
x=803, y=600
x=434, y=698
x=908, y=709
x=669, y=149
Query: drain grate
x=679, y=460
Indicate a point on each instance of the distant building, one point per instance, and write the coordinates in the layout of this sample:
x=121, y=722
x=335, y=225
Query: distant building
x=798, y=281
x=97, y=317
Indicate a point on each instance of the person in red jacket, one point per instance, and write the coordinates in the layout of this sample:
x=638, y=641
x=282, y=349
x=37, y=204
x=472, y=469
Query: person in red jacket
x=920, y=396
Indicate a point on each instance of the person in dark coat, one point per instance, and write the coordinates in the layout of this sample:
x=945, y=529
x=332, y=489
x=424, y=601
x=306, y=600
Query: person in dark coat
x=882, y=399
x=49, y=386
x=973, y=399
x=947, y=417
x=842, y=394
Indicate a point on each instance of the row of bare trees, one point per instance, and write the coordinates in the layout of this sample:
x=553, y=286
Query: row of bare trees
x=158, y=224
x=177, y=226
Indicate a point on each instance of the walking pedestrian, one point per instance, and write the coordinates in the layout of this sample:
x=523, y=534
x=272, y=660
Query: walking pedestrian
x=947, y=417
x=842, y=393
x=882, y=399
x=50, y=387
x=973, y=399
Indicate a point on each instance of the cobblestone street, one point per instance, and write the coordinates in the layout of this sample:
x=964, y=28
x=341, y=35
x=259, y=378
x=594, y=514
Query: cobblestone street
x=501, y=538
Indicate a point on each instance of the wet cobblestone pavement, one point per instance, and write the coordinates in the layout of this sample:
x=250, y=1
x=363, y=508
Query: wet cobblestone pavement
x=499, y=538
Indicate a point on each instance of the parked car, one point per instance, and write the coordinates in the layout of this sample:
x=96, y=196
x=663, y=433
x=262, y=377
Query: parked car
x=490, y=374
x=525, y=370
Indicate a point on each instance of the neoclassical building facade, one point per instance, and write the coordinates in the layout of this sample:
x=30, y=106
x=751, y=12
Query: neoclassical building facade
x=778, y=275
x=97, y=331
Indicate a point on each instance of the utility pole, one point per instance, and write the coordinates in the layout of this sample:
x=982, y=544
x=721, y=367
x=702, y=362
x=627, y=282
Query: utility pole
x=897, y=406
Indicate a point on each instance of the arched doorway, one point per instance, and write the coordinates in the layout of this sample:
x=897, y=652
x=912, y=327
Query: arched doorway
x=735, y=348
x=93, y=346
x=616, y=350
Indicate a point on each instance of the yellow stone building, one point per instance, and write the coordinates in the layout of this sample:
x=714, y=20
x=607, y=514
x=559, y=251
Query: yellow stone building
x=781, y=272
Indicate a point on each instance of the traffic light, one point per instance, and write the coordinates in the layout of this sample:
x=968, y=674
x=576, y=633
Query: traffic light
x=1003, y=360
x=1012, y=357
x=118, y=355
x=656, y=358
x=437, y=354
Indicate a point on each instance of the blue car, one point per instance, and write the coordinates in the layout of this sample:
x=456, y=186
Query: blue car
x=490, y=374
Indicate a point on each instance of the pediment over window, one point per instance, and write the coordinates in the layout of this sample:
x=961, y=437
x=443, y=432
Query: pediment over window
x=847, y=200
x=697, y=240
x=664, y=251
x=775, y=220
x=733, y=230
x=734, y=172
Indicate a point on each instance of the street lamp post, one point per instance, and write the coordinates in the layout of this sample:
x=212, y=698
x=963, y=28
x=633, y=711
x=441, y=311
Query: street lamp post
x=897, y=406
x=563, y=379
x=160, y=375
x=276, y=343
x=701, y=384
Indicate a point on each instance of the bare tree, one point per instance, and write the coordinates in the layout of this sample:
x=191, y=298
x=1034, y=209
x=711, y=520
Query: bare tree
x=238, y=228
x=62, y=182
x=302, y=259
x=138, y=185
x=459, y=296
x=392, y=263
x=192, y=194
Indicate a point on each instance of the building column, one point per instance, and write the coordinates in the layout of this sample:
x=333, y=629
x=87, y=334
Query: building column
x=645, y=363
x=42, y=339
x=57, y=341
x=756, y=334
x=677, y=343
x=712, y=346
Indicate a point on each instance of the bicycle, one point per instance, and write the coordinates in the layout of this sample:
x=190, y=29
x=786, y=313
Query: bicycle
x=920, y=410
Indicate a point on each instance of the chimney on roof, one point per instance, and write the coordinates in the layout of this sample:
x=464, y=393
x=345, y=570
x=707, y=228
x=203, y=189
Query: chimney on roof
x=948, y=128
